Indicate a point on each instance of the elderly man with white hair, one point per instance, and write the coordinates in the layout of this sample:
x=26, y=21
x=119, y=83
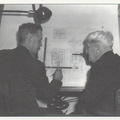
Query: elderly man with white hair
x=98, y=97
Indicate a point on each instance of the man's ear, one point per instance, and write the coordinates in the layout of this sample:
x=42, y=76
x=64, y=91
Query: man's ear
x=29, y=36
x=97, y=47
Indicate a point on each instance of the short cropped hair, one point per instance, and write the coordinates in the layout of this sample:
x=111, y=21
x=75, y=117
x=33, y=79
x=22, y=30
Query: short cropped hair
x=25, y=29
x=105, y=37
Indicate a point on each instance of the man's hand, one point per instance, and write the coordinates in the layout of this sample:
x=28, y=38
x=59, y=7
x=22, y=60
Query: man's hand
x=57, y=75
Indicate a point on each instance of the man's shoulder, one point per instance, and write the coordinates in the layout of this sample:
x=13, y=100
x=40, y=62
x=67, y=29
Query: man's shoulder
x=36, y=62
x=5, y=52
x=108, y=58
x=109, y=61
x=8, y=54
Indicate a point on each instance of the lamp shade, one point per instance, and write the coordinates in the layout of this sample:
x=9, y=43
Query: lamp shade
x=42, y=15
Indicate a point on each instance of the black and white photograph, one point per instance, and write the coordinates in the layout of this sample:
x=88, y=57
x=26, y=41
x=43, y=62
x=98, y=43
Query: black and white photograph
x=60, y=60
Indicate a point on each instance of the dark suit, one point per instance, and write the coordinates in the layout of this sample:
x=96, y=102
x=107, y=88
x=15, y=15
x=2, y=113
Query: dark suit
x=26, y=77
x=99, y=95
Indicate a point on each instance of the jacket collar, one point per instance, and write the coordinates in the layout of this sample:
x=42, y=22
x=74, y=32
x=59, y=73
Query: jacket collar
x=106, y=55
x=23, y=50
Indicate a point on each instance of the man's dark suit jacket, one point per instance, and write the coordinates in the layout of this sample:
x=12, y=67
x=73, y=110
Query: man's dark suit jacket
x=99, y=95
x=26, y=77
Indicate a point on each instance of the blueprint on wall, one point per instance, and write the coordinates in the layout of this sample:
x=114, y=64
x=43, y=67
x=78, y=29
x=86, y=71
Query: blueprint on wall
x=63, y=50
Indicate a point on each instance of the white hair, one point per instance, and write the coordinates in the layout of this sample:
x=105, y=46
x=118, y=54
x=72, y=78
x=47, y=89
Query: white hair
x=106, y=38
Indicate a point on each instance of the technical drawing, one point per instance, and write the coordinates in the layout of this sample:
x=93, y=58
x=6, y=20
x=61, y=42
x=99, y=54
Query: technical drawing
x=57, y=57
x=59, y=33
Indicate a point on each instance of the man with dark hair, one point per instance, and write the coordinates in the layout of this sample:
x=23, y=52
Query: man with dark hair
x=26, y=76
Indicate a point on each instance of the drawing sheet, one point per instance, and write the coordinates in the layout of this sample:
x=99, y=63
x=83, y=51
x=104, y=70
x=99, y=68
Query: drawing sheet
x=64, y=51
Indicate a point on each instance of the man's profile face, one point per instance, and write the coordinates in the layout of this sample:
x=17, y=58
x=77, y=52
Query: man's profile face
x=36, y=42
